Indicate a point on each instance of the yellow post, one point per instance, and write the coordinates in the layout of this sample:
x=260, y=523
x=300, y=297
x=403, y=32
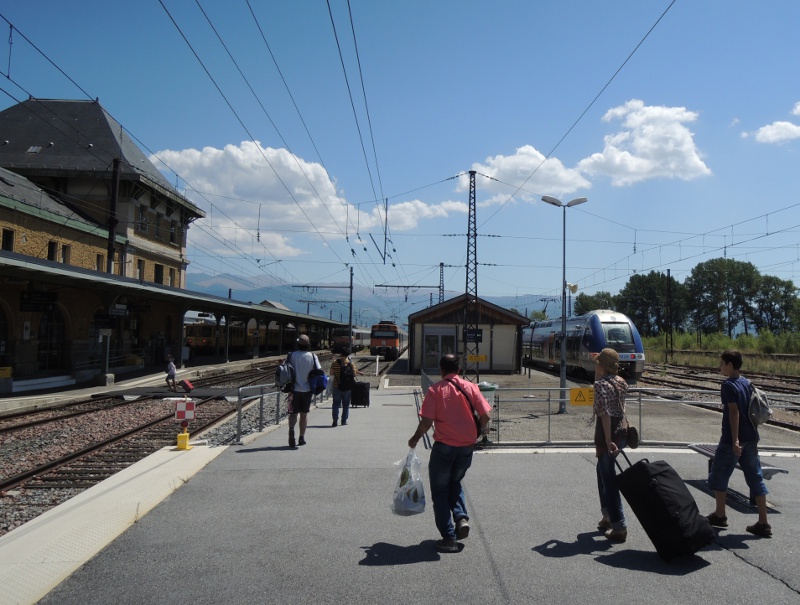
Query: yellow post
x=183, y=440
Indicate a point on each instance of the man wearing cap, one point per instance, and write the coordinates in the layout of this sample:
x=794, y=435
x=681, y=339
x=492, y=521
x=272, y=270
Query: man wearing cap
x=303, y=361
x=609, y=437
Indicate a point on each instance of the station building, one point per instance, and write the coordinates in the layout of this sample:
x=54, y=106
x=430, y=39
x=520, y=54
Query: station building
x=93, y=260
x=439, y=330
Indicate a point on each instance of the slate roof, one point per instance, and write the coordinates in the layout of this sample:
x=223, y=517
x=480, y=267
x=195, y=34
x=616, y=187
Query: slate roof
x=47, y=137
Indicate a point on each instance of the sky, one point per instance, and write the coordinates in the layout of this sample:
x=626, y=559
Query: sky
x=295, y=125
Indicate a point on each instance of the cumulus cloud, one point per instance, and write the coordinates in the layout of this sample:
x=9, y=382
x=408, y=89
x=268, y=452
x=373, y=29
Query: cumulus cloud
x=778, y=132
x=654, y=143
x=527, y=168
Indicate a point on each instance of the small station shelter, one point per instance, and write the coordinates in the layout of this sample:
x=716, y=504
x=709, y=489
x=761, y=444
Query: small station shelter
x=439, y=330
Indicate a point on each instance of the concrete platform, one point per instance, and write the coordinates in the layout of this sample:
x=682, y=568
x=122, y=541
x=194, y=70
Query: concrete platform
x=262, y=523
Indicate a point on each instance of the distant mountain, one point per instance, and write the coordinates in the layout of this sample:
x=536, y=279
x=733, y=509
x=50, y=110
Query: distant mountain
x=369, y=306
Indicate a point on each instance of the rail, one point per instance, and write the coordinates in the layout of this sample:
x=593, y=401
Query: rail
x=662, y=416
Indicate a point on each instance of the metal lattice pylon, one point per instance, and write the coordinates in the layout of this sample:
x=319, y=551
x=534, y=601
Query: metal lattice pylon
x=471, y=309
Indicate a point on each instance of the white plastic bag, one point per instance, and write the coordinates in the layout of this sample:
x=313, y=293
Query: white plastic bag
x=409, y=495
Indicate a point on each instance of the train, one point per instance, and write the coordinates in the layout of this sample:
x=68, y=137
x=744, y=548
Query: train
x=206, y=338
x=589, y=333
x=387, y=339
x=341, y=343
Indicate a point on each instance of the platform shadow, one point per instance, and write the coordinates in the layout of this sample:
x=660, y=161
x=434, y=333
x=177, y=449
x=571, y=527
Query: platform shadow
x=383, y=553
x=650, y=561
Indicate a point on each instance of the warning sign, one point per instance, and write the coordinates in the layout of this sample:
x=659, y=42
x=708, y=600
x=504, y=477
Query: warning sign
x=581, y=396
x=476, y=358
x=184, y=410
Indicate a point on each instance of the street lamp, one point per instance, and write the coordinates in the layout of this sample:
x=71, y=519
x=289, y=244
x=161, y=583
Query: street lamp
x=562, y=405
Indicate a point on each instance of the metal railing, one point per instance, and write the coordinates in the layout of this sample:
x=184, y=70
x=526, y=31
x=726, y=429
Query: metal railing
x=248, y=395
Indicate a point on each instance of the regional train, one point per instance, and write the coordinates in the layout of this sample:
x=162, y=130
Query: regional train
x=589, y=333
x=341, y=343
x=206, y=338
x=387, y=339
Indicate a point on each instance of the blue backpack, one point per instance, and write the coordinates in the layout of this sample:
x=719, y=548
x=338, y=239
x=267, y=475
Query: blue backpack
x=317, y=381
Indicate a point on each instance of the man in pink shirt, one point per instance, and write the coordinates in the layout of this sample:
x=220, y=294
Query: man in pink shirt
x=448, y=407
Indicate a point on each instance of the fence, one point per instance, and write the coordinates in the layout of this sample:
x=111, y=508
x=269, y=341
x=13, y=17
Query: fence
x=529, y=416
x=266, y=394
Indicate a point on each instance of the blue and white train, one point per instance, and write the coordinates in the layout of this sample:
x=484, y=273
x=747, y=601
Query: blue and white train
x=589, y=333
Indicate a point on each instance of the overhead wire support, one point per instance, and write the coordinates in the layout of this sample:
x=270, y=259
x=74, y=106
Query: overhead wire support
x=471, y=335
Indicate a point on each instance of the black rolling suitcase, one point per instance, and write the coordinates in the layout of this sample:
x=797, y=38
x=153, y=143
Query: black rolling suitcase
x=360, y=395
x=665, y=508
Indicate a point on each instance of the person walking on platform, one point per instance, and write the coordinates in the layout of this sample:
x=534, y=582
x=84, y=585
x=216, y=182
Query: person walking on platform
x=448, y=407
x=303, y=361
x=609, y=437
x=738, y=444
x=171, y=373
x=344, y=378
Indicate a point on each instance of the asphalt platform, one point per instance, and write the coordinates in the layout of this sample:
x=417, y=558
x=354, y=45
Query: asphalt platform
x=262, y=523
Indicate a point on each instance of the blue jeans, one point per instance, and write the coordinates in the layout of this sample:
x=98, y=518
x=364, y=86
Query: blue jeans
x=725, y=463
x=341, y=399
x=446, y=470
x=610, y=499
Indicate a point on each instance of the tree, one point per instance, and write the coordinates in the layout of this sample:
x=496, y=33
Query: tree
x=774, y=304
x=644, y=300
x=721, y=290
x=589, y=302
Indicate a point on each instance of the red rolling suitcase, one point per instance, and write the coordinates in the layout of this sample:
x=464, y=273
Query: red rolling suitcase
x=360, y=394
x=186, y=385
x=667, y=511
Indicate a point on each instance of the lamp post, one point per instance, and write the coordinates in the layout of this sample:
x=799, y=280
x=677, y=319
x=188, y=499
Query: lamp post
x=562, y=405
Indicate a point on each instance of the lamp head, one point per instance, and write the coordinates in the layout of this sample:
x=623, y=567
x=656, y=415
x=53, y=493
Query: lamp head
x=576, y=201
x=551, y=200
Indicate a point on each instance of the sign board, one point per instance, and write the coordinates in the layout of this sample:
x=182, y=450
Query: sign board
x=581, y=396
x=104, y=332
x=184, y=409
x=476, y=358
x=474, y=335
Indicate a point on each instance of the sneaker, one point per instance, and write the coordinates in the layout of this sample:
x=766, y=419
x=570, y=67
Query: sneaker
x=302, y=440
x=344, y=422
x=447, y=545
x=336, y=422
x=760, y=529
x=604, y=524
x=291, y=438
x=617, y=535
x=717, y=521
x=462, y=529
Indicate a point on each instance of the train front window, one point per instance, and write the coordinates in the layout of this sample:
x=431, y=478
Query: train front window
x=618, y=334
x=383, y=334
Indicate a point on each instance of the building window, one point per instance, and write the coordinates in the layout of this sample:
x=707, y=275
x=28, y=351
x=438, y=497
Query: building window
x=52, y=251
x=101, y=262
x=140, y=269
x=171, y=277
x=141, y=221
x=159, y=218
x=173, y=232
x=8, y=240
x=158, y=276
x=66, y=252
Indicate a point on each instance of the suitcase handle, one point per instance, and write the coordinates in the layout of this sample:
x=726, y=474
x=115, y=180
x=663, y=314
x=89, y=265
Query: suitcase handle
x=616, y=460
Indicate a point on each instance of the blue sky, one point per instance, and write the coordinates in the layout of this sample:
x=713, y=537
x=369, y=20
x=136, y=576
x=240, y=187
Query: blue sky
x=679, y=121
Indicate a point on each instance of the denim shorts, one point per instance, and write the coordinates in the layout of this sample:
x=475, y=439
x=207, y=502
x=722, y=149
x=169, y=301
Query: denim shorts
x=725, y=463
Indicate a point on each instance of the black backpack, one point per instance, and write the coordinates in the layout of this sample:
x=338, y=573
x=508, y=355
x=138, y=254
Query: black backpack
x=347, y=377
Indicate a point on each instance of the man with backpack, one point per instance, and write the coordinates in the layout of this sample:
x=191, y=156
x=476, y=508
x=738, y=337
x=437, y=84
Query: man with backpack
x=344, y=379
x=303, y=361
x=738, y=443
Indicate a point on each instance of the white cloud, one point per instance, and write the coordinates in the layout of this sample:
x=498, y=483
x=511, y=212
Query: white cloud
x=407, y=215
x=778, y=132
x=655, y=143
x=796, y=109
x=526, y=168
